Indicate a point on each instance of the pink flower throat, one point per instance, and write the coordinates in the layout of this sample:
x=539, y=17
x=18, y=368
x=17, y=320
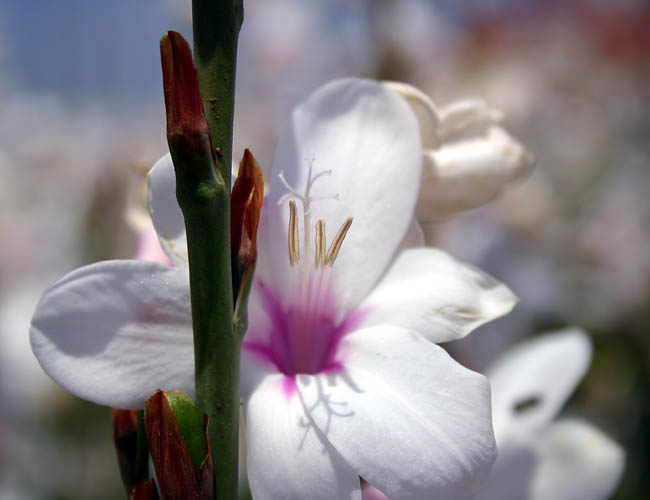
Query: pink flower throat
x=302, y=334
x=305, y=328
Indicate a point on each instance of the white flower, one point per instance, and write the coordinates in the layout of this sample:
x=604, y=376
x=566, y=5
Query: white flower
x=468, y=159
x=340, y=378
x=541, y=459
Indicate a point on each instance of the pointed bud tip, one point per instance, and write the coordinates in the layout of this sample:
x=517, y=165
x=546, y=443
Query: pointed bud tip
x=246, y=205
x=183, y=100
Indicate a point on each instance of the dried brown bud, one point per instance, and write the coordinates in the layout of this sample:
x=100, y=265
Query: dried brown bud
x=125, y=434
x=174, y=469
x=145, y=490
x=125, y=437
x=185, y=117
x=245, y=206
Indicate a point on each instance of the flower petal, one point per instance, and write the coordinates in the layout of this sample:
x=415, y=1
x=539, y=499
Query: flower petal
x=406, y=416
x=459, y=116
x=511, y=475
x=531, y=382
x=467, y=174
x=372, y=493
x=149, y=247
x=369, y=138
x=288, y=459
x=115, y=331
x=428, y=291
x=576, y=461
x=165, y=213
x=413, y=238
x=424, y=109
x=569, y=460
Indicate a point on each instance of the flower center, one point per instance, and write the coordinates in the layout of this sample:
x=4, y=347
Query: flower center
x=305, y=328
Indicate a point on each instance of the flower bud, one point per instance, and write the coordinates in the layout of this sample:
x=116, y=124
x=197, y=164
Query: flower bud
x=467, y=159
x=132, y=458
x=245, y=208
x=199, y=184
x=467, y=174
x=459, y=116
x=176, y=430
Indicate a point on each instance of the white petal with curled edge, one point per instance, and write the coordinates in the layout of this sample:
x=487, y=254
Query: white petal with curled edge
x=532, y=381
x=576, y=462
x=458, y=116
x=116, y=331
x=287, y=457
x=405, y=415
x=165, y=213
x=368, y=137
x=467, y=174
x=424, y=109
x=428, y=291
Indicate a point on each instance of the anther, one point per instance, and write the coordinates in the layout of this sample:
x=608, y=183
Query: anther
x=294, y=246
x=335, y=247
x=320, y=244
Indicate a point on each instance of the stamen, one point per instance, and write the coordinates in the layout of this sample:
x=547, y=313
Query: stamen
x=335, y=247
x=294, y=246
x=320, y=244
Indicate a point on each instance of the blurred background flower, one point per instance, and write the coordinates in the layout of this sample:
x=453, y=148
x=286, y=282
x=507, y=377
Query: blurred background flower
x=81, y=112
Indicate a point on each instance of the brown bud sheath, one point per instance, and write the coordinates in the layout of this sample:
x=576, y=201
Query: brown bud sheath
x=174, y=469
x=245, y=207
x=145, y=490
x=185, y=118
x=125, y=435
x=130, y=447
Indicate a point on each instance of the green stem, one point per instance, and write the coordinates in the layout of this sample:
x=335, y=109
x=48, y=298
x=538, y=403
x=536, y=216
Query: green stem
x=216, y=347
x=204, y=200
x=216, y=25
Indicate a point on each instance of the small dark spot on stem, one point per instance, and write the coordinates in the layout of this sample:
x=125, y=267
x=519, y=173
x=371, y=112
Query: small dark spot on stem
x=213, y=103
x=218, y=152
x=219, y=406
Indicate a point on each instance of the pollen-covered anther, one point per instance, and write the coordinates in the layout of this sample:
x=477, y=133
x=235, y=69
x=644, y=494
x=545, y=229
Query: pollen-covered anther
x=323, y=258
x=320, y=244
x=294, y=246
x=335, y=247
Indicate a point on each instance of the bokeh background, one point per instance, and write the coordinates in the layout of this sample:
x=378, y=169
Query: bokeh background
x=81, y=119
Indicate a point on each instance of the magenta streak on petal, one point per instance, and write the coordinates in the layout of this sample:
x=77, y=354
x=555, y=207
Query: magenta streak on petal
x=289, y=386
x=279, y=347
x=303, y=332
x=349, y=324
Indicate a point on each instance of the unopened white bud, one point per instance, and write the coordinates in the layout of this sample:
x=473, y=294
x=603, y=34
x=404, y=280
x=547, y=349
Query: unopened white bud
x=467, y=174
x=460, y=116
x=467, y=159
